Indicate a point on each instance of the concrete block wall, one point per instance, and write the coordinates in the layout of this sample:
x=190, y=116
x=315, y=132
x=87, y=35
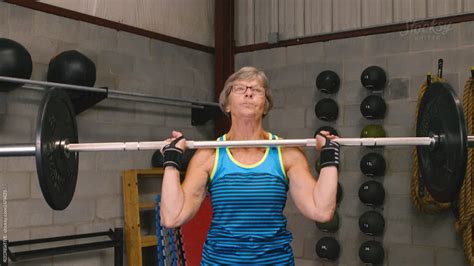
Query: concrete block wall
x=125, y=62
x=410, y=237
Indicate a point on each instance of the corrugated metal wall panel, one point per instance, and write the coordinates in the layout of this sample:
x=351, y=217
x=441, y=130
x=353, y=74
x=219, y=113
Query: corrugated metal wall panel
x=318, y=17
x=191, y=20
x=263, y=20
x=437, y=8
x=408, y=10
x=376, y=12
x=346, y=14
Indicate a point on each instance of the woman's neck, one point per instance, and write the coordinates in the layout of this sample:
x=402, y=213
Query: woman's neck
x=246, y=130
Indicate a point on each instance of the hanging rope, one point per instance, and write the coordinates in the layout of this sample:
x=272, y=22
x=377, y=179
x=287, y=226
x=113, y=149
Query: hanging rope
x=465, y=223
x=419, y=195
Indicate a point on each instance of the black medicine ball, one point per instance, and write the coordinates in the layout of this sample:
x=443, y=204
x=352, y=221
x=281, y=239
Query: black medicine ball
x=373, y=107
x=372, y=193
x=372, y=223
x=15, y=63
x=328, y=81
x=72, y=67
x=330, y=129
x=373, y=164
x=157, y=159
x=331, y=226
x=327, y=109
x=187, y=155
x=371, y=252
x=373, y=78
x=328, y=248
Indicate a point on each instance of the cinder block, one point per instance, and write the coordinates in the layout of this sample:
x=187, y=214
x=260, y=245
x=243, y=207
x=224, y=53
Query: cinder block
x=26, y=213
x=35, y=189
x=52, y=231
x=148, y=70
x=397, y=232
x=298, y=96
x=397, y=183
x=80, y=210
x=399, y=159
x=399, y=113
x=150, y=114
x=281, y=119
x=24, y=104
x=344, y=48
x=402, y=254
x=16, y=129
x=388, y=43
x=142, y=159
x=306, y=53
x=115, y=63
x=93, y=258
x=350, y=160
x=399, y=208
x=18, y=234
x=286, y=77
x=133, y=45
x=115, y=160
x=301, y=226
x=98, y=132
x=466, y=33
x=21, y=164
x=445, y=236
x=444, y=256
x=177, y=117
x=410, y=64
x=15, y=185
x=96, y=226
x=297, y=246
x=352, y=115
x=269, y=58
x=352, y=208
x=116, y=112
x=350, y=182
x=243, y=59
x=438, y=37
x=178, y=76
x=55, y=27
x=305, y=262
x=348, y=228
x=109, y=207
x=4, y=18
x=352, y=92
x=97, y=37
x=91, y=184
x=398, y=89
x=20, y=21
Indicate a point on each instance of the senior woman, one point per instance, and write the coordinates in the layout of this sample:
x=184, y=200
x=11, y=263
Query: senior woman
x=248, y=186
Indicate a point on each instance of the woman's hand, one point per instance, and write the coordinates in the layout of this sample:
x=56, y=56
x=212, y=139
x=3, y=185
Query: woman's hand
x=174, y=135
x=321, y=141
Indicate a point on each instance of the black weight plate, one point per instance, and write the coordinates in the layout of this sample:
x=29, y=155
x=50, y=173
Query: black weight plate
x=57, y=171
x=442, y=168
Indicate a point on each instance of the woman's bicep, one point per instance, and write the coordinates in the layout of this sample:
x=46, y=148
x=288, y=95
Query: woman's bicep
x=195, y=182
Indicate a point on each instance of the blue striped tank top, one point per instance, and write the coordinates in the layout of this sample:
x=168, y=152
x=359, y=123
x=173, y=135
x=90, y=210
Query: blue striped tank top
x=248, y=225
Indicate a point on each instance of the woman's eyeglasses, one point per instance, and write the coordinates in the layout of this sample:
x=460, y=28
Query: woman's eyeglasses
x=241, y=89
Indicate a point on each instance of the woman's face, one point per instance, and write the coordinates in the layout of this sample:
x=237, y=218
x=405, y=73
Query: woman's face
x=247, y=99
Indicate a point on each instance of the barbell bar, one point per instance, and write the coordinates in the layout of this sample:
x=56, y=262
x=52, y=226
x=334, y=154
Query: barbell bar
x=111, y=93
x=441, y=142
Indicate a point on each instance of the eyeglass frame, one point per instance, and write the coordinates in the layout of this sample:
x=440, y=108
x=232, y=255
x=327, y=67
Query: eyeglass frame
x=253, y=89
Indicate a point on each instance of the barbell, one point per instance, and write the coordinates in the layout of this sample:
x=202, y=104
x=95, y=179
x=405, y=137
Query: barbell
x=441, y=142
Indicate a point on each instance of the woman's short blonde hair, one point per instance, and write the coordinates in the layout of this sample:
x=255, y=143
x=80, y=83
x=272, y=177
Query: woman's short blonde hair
x=246, y=73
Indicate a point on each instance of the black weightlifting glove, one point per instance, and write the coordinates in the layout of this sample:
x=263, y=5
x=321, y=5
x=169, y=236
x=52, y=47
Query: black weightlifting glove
x=329, y=153
x=173, y=155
